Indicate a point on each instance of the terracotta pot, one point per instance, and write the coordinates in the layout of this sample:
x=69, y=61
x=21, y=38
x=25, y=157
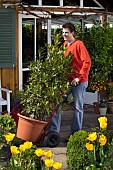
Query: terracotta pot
x=30, y=129
x=14, y=115
x=96, y=108
x=110, y=107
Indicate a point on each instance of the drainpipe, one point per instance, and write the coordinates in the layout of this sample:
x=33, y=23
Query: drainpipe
x=34, y=38
x=49, y=31
x=82, y=20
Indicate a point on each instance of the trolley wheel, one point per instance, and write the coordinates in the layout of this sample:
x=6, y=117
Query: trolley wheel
x=52, y=139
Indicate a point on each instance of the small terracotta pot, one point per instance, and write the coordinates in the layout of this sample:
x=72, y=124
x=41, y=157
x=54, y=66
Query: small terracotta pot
x=29, y=129
x=96, y=108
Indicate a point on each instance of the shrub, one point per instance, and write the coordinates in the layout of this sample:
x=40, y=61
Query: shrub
x=76, y=152
x=47, y=82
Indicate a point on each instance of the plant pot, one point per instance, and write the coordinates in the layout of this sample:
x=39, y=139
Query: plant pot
x=110, y=107
x=96, y=108
x=30, y=129
x=103, y=110
x=14, y=115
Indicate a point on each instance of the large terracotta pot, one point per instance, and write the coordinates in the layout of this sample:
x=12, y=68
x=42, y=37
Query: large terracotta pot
x=29, y=129
x=110, y=107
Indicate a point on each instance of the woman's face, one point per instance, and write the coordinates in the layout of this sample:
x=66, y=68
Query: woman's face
x=67, y=35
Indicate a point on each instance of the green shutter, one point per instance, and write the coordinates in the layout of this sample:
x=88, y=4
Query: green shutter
x=7, y=38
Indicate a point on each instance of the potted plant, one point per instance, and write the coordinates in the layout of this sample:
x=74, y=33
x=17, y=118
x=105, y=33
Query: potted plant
x=110, y=97
x=16, y=106
x=103, y=105
x=48, y=81
x=100, y=88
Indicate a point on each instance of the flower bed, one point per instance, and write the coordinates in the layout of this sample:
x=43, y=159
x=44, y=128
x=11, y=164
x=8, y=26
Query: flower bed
x=91, y=150
x=22, y=155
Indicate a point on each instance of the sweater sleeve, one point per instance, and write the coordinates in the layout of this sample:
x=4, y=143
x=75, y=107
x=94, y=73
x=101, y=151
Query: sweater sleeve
x=84, y=58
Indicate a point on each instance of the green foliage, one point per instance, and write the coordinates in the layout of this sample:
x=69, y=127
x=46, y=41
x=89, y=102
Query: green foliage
x=7, y=123
x=47, y=82
x=103, y=103
x=99, y=42
x=110, y=90
x=91, y=150
x=28, y=157
x=76, y=152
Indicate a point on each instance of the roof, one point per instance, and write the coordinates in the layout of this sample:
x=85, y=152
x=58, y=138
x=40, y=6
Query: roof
x=68, y=9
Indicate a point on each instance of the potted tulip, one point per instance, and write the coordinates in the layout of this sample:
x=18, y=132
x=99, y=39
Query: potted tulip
x=48, y=81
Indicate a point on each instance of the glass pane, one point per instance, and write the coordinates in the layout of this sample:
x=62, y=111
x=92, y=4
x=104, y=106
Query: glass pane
x=41, y=37
x=71, y=2
x=50, y=2
x=25, y=77
x=27, y=41
x=30, y=2
x=28, y=44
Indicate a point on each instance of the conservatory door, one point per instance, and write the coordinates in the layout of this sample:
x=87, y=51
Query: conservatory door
x=33, y=34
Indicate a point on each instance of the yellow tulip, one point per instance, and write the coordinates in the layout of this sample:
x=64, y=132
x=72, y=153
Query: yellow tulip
x=92, y=136
x=28, y=145
x=89, y=146
x=39, y=152
x=14, y=150
x=22, y=148
x=57, y=165
x=103, y=125
x=9, y=137
x=49, y=162
x=102, y=119
x=102, y=140
x=48, y=154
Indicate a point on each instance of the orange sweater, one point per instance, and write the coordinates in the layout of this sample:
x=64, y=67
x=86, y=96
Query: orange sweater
x=81, y=62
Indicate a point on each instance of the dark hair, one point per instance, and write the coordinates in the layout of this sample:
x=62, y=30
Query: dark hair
x=70, y=26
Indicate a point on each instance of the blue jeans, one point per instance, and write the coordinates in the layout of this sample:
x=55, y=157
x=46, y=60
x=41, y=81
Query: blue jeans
x=78, y=93
x=56, y=121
